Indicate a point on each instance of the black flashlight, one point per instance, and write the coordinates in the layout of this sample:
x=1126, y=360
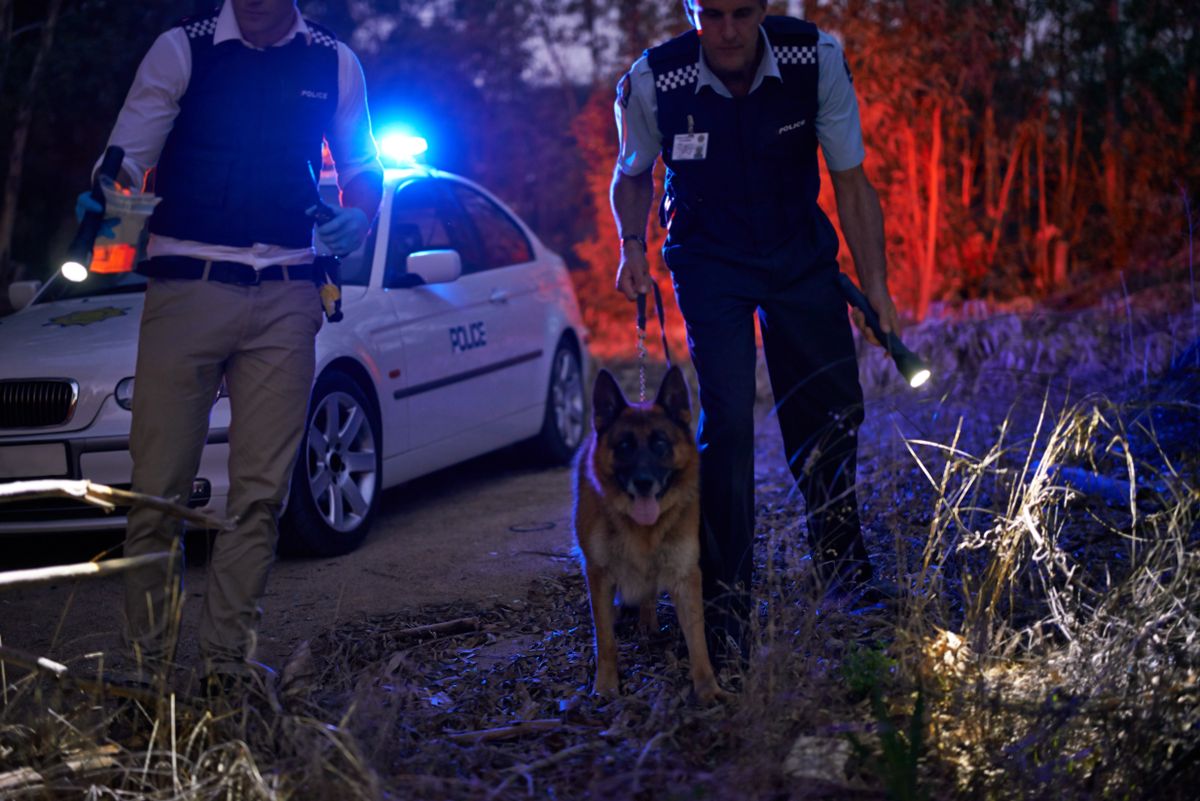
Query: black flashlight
x=79, y=254
x=911, y=366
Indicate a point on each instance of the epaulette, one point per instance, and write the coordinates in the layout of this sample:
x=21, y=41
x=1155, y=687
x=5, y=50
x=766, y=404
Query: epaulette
x=675, y=63
x=793, y=40
x=321, y=35
x=199, y=26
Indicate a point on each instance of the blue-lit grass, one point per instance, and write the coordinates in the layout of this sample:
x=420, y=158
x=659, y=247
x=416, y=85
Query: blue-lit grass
x=1050, y=625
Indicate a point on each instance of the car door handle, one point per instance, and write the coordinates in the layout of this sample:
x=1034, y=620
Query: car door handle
x=499, y=296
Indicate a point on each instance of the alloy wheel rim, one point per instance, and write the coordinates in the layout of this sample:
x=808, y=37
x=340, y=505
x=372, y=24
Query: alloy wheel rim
x=341, y=462
x=567, y=399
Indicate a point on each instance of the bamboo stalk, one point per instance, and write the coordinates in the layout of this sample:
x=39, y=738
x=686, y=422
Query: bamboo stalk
x=20, y=578
x=108, y=498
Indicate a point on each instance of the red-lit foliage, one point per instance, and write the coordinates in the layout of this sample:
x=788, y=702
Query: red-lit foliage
x=1018, y=150
x=608, y=315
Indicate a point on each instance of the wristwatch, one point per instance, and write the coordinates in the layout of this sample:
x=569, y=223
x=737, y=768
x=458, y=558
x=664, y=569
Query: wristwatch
x=641, y=240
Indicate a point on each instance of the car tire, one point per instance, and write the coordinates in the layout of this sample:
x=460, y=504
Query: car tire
x=565, y=420
x=338, y=476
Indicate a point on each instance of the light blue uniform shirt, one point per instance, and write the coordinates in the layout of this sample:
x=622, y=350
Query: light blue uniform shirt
x=838, y=128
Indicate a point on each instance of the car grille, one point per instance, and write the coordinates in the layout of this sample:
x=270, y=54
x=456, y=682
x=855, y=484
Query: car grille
x=47, y=510
x=37, y=403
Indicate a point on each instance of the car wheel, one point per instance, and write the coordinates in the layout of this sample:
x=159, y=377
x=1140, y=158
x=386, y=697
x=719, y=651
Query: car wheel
x=337, y=480
x=565, y=416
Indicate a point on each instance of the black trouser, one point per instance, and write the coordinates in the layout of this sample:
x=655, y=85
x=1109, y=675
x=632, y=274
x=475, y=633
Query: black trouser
x=814, y=376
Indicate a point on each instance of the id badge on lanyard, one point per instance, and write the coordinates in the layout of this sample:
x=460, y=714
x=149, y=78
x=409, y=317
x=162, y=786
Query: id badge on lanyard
x=690, y=147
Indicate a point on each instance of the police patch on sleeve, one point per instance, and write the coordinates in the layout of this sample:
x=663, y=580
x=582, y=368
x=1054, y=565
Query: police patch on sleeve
x=625, y=90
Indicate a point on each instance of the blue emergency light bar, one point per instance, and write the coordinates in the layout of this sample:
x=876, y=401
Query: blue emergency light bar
x=401, y=149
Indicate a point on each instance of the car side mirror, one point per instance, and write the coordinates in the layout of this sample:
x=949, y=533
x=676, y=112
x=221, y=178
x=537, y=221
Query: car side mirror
x=435, y=266
x=20, y=293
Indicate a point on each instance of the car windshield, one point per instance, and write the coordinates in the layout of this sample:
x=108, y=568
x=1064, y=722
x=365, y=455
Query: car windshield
x=95, y=285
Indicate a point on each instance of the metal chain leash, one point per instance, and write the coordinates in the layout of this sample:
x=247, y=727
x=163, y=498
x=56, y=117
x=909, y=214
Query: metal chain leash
x=641, y=346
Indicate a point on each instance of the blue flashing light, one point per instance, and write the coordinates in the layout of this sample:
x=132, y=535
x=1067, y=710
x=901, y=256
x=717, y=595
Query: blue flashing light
x=401, y=149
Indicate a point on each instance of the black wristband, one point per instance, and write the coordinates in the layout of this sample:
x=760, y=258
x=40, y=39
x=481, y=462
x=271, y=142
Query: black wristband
x=641, y=240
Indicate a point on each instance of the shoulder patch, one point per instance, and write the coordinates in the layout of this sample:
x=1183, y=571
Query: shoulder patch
x=625, y=89
x=683, y=76
x=321, y=35
x=793, y=54
x=200, y=27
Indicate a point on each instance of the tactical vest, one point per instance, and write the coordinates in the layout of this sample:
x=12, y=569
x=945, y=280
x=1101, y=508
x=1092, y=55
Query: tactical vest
x=235, y=167
x=756, y=191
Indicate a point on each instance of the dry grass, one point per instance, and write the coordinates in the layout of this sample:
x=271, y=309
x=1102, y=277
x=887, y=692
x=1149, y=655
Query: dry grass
x=1046, y=643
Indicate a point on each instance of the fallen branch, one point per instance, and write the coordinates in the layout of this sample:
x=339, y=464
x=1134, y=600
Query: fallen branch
x=28, y=778
x=526, y=770
x=107, y=498
x=456, y=626
x=98, y=686
x=507, y=732
x=38, y=575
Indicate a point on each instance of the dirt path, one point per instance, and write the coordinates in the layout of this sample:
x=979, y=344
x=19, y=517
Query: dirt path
x=476, y=532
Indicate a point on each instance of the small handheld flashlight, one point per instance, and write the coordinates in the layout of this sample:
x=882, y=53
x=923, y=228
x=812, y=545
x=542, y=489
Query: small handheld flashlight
x=911, y=366
x=79, y=254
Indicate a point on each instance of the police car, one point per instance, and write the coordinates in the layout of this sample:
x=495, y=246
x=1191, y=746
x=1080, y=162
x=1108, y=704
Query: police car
x=461, y=335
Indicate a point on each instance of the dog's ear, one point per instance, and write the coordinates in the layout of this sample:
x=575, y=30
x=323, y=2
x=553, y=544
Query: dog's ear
x=607, y=401
x=673, y=396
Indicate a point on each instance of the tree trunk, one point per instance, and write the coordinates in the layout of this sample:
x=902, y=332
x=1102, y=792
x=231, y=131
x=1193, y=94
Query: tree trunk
x=928, y=268
x=916, y=244
x=20, y=137
x=1114, y=168
x=989, y=162
x=588, y=7
x=968, y=162
x=1014, y=159
x=1044, y=234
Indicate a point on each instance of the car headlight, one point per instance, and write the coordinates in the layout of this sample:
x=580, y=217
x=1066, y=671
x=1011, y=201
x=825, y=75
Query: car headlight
x=124, y=394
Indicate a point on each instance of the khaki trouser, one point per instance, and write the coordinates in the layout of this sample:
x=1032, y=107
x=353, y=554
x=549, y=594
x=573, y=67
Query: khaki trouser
x=261, y=340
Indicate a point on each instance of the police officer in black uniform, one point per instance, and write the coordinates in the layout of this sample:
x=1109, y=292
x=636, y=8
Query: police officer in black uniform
x=737, y=108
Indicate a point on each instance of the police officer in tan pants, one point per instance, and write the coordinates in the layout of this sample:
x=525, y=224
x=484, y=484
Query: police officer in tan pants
x=232, y=108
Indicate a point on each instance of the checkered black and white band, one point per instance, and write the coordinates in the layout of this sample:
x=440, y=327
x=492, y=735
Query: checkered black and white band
x=676, y=78
x=796, y=55
x=323, y=38
x=201, y=28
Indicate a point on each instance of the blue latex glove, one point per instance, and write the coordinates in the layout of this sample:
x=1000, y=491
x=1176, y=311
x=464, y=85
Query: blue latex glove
x=346, y=232
x=86, y=203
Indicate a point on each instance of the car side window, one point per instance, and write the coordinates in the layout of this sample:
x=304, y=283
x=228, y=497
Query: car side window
x=503, y=241
x=419, y=222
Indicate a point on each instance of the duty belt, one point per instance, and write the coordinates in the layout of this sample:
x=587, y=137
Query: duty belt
x=226, y=272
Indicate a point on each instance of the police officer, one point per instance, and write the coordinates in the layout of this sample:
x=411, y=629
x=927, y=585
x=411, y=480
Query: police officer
x=232, y=108
x=737, y=108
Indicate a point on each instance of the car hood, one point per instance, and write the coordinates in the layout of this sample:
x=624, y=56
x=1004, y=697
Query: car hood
x=90, y=340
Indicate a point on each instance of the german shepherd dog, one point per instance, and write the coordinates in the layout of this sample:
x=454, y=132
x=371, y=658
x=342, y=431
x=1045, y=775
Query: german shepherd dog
x=637, y=520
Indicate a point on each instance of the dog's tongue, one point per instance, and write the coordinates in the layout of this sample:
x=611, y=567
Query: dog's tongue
x=645, y=511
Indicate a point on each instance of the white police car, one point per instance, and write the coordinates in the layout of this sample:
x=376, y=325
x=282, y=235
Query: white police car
x=461, y=335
